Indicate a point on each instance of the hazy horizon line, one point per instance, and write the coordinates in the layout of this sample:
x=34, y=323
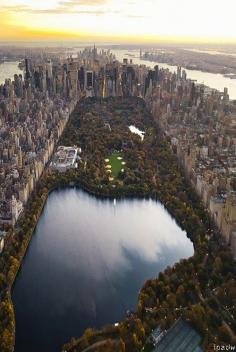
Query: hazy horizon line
x=114, y=43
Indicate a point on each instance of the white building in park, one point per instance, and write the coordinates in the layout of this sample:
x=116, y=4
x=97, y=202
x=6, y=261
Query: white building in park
x=66, y=158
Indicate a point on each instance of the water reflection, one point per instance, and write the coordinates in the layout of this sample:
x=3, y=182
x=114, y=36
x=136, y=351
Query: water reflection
x=86, y=263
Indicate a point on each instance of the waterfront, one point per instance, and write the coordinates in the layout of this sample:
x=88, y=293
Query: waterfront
x=8, y=69
x=84, y=259
x=217, y=81
x=212, y=80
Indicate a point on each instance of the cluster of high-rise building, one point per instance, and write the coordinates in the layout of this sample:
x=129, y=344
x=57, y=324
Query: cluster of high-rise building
x=35, y=107
x=200, y=123
x=32, y=118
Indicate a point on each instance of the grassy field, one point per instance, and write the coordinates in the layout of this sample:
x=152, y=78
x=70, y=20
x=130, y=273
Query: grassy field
x=116, y=164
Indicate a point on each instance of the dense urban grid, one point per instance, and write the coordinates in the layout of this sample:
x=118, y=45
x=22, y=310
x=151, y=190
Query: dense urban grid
x=195, y=123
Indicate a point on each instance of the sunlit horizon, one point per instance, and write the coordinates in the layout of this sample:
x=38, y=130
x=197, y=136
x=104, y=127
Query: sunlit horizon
x=133, y=21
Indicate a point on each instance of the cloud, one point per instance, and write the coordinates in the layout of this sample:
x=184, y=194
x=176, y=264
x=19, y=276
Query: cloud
x=136, y=16
x=17, y=8
x=64, y=7
x=59, y=11
x=56, y=11
x=62, y=11
x=74, y=3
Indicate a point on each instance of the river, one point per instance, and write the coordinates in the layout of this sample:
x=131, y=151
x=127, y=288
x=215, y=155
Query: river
x=8, y=69
x=86, y=263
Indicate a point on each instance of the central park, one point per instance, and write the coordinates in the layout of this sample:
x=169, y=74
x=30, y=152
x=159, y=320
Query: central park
x=117, y=163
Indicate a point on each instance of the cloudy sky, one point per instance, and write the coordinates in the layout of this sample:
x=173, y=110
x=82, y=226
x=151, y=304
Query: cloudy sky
x=118, y=20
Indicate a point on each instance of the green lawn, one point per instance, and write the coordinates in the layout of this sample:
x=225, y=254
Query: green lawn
x=116, y=164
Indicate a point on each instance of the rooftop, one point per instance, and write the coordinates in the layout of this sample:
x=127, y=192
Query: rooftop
x=181, y=337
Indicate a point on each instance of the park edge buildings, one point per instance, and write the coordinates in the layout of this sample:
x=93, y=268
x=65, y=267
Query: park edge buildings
x=199, y=122
x=34, y=110
x=31, y=122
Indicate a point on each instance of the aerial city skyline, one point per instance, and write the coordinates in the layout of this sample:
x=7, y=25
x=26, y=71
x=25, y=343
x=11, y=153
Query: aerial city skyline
x=117, y=176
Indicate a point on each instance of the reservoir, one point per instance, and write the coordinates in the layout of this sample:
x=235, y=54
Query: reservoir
x=86, y=262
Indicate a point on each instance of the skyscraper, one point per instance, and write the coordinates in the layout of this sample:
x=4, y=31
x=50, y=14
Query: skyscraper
x=89, y=79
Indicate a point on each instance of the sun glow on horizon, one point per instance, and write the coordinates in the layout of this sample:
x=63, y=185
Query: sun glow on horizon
x=115, y=20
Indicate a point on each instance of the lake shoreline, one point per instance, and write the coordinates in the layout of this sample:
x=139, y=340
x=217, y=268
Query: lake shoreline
x=56, y=192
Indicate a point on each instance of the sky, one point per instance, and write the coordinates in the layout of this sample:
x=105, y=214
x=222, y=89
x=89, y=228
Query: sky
x=121, y=21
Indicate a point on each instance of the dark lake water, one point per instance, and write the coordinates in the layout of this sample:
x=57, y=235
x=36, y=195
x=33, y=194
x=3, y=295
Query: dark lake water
x=86, y=262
